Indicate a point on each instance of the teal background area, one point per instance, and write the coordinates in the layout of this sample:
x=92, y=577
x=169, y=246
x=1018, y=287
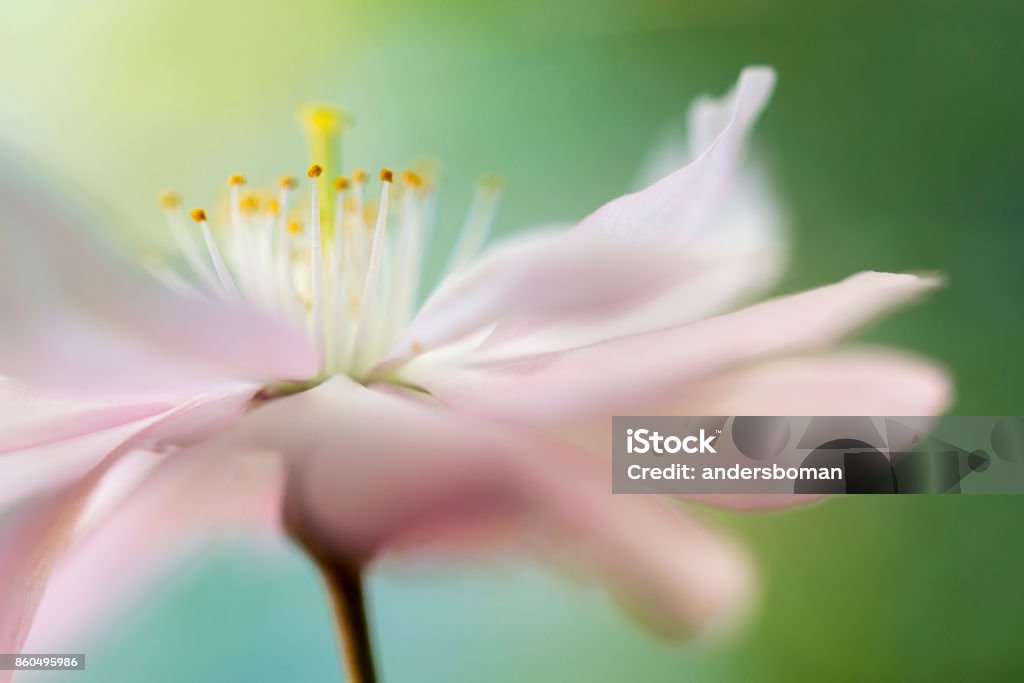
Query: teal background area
x=894, y=139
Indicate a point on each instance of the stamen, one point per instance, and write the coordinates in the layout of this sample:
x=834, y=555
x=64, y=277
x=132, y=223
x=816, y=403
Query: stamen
x=316, y=257
x=412, y=179
x=324, y=125
x=171, y=203
x=170, y=200
x=199, y=216
x=340, y=185
x=371, y=284
x=280, y=246
x=478, y=221
x=249, y=204
x=407, y=276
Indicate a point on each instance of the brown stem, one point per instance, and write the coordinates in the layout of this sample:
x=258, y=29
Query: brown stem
x=344, y=582
x=343, y=576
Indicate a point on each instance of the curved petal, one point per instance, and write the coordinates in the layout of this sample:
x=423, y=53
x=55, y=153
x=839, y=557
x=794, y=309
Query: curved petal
x=628, y=252
x=37, y=533
x=616, y=376
x=869, y=382
x=76, y=319
x=32, y=540
x=60, y=440
x=358, y=486
x=849, y=382
x=29, y=419
x=140, y=528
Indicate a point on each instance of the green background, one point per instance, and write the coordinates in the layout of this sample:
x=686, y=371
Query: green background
x=894, y=138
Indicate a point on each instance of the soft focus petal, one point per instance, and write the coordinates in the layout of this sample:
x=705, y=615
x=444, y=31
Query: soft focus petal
x=33, y=538
x=370, y=471
x=616, y=376
x=856, y=382
x=36, y=534
x=62, y=440
x=138, y=529
x=29, y=419
x=77, y=319
x=625, y=254
x=852, y=382
x=677, y=205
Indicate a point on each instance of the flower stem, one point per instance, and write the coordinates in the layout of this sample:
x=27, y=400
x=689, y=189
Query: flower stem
x=345, y=584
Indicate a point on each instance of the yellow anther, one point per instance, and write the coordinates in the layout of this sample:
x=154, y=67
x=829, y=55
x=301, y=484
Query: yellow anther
x=341, y=183
x=287, y=182
x=491, y=182
x=170, y=200
x=412, y=179
x=294, y=227
x=416, y=347
x=315, y=170
x=359, y=176
x=249, y=203
x=198, y=215
x=386, y=176
x=273, y=207
x=236, y=180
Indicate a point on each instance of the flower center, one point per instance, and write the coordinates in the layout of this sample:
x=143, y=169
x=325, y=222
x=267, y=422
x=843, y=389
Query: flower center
x=346, y=263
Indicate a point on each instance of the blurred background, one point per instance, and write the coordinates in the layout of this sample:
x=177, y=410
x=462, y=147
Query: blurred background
x=894, y=138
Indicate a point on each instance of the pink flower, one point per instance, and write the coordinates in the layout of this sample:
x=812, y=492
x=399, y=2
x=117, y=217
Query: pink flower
x=279, y=372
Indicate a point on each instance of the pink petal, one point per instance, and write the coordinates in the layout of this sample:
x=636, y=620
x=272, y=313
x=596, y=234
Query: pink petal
x=679, y=202
x=37, y=533
x=371, y=471
x=61, y=440
x=862, y=382
x=615, y=377
x=851, y=382
x=626, y=254
x=32, y=540
x=29, y=419
x=143, y=528
x=79, y=320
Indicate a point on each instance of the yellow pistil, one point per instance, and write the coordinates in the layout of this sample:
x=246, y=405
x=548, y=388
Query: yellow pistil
x=324, y=125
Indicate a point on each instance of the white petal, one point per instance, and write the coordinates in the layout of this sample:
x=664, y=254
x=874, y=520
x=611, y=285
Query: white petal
x=614, y=377
x=625, y=255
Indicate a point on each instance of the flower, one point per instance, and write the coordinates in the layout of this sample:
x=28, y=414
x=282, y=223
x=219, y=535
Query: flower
x=280, y=375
